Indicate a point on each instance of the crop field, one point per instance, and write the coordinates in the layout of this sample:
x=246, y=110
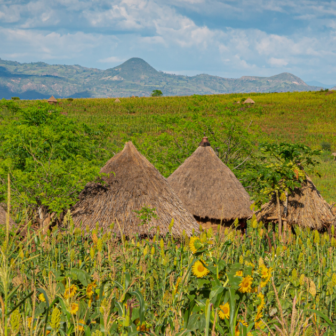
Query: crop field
x=67, y=280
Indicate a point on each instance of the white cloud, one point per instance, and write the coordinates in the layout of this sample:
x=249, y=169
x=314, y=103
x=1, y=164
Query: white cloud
x=278, y=62
x=112, y=59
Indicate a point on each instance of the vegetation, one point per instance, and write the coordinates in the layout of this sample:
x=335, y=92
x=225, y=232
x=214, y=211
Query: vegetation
x=69, y=281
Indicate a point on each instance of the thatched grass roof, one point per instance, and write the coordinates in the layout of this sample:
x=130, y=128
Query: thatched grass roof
x=249, y=101
x=208, y=188
x=3, y=215
x=117, y=100
x=306, y=208
x=133, y=183
x=52, y=99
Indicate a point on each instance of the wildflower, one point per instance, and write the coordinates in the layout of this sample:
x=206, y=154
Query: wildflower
x=262, y=301
x=224, y=312
x=176, y=286
x=199, y=270
x=267, y=279
x=73, y=308
x=239, y=273
x=41, y=297
x=259, y=325
x=245, y=285
x=70, y=291
x=258, y=316
x=80, y=326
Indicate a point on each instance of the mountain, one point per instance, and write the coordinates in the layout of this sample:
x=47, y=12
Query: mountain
x=133, y=77
x=319, y=84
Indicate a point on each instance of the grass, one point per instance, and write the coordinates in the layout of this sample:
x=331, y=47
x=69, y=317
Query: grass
x=305, y=117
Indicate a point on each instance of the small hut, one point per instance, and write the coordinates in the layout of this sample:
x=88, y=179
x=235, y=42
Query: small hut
x=52, y=100
x=130, y=184
x=249, y=101
x=306, y=208
x=209, y=189
x=3, y=216
x=117, y=100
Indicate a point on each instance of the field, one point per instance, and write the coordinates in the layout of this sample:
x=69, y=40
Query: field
x=305, y=117
x=70, y=281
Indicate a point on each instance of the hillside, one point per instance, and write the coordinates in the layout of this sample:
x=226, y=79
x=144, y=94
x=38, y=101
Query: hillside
x=133, y=77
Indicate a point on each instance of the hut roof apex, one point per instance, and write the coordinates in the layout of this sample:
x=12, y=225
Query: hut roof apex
x=52, y=99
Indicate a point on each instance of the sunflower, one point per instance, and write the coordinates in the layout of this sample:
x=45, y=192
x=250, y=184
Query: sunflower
x=224, y=311
x=41, y=297
x=265, y=282
x=73, y=308
x=90, y=289
x=245, y=285
x=199, y=270
x=258, y=316
x=239, y=273
x=70, y=291
x=192, y=246
x=81, y=324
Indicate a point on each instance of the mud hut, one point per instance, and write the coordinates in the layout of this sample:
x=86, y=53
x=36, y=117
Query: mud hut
x=131, y=184
x=3, y=216
x=304, y=207
x=52, y=100
x=249, y=101
x=209, y=189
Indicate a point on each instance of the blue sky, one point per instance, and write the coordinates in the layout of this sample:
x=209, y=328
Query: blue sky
x=228, y=38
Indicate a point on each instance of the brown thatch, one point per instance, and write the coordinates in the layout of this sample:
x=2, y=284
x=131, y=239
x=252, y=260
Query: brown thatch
x=117, y=100
x=133, y=183
x=249, y=101
x=3, y=216
x=52, y=100
x=208, y=188
x=306, y=208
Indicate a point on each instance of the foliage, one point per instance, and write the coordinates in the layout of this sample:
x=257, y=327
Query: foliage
x=280, y=169
x=91, y=283
x=157, y=93
x=49, y=156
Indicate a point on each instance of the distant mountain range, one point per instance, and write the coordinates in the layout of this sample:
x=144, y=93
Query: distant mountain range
x=134, y=77
x=319, y=84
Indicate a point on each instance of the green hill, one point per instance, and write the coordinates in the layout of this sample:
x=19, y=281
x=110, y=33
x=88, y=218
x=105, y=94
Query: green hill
x=133, y=77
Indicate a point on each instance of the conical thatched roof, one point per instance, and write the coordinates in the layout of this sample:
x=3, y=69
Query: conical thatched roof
x=117, y=100
x=208, y=188
x=249, y=101
x=3, y=217
x=133, y=183
x=306, y=208
x=52, y=99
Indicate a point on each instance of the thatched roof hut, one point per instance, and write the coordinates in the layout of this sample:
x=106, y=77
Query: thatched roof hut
x=117, y=100
x=306, y=208
x=248, y=101
x=133, y=183
x=3, y=216
x=208, y=188
x=52, y=100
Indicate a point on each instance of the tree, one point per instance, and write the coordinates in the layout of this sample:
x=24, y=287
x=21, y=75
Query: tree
x=49, y=156
x=281, y=169
x=157, y=93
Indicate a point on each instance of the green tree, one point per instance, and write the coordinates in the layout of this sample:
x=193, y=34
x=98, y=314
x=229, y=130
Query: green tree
x=279, y=170
x=49, y=156
x=157, y=93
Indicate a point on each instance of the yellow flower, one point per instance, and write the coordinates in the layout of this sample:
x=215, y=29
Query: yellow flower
x=199, y=270
x=73, y=308
x=258, y=316
x=90, y=289
x=41, y=297
x=264, y=272
x=262, y=302
x=245, y=285
x=259, y=325
x=89, y=303
x=192, y=246
x=80, y=325
x=70, y=291
x=237, y=333
x=264, y=283
x=224, y=312
x=239, y=273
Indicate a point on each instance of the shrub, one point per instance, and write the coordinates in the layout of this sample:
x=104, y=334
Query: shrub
x=15, y=98
x=326, y=146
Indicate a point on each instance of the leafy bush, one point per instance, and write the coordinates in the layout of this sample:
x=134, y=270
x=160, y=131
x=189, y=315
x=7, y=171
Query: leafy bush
x=157, y=93
x=326, y=146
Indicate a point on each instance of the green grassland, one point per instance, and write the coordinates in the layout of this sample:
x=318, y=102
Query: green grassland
x=299, y=117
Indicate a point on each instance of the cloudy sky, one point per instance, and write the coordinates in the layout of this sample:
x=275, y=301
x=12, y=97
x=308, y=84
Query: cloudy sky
x=229, y=38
